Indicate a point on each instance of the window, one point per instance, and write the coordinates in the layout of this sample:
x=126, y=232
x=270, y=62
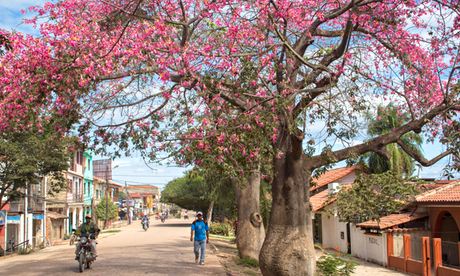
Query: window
x=72, y=163
x=79, y=157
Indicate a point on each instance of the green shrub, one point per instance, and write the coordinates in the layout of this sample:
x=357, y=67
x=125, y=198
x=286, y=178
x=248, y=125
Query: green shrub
x=66, y=236
x=223, y=229
x=248, y=262
x=330, y=265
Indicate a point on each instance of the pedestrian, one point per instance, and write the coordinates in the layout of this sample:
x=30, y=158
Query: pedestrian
x=201, y=237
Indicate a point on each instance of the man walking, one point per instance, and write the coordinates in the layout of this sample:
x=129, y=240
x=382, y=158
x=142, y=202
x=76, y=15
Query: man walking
x=201, y=230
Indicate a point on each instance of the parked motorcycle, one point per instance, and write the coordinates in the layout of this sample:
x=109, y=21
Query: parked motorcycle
x=145, y=225
x=85, y=256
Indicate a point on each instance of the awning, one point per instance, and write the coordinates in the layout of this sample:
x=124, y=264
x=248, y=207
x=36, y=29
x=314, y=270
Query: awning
x=55, y=215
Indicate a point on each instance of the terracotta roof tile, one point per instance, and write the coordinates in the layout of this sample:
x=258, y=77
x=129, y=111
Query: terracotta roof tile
x=448, y=193
x=391, y=220
x=319, y=200
x=142, y=187
x=322, y=199
x=331, y=176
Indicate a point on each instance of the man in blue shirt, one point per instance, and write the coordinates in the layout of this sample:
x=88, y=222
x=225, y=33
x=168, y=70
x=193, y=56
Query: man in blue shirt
x=201, y=230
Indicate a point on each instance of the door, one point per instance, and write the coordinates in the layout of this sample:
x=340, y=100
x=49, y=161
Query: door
x=348, y=239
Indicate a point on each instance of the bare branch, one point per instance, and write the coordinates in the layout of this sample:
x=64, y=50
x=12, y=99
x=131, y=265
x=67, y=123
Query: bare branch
x=376, y=143
x=419, y=157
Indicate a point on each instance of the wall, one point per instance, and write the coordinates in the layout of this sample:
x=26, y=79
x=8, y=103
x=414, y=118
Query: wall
x=358, y=242
x=331, y=231
x=369, y=247
x=376, y=248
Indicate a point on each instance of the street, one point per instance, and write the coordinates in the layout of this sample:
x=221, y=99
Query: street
x=164, y=249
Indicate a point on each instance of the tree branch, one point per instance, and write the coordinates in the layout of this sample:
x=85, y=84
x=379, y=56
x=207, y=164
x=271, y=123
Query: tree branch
x=376, y=143
x=419, y=157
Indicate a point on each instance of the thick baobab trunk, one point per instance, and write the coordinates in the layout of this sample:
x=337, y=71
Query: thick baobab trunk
x=288, y=248
x=250, y=229
x=209, y=214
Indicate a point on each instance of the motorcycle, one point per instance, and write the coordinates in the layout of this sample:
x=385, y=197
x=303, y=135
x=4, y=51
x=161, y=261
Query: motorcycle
x=163, y=218
x=145, y=225
x=85, y=256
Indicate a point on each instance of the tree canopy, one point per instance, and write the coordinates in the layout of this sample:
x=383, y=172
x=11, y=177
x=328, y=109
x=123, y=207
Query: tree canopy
x=104, y=213
x=373, y=196
x=27, y=157
x=194, y=192
x=159, y=76
x=395, y=159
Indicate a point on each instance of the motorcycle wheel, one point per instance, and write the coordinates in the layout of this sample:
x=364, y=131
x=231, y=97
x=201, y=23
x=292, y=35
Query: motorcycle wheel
x=81, y=262
x=88, y=265
x=145, y=228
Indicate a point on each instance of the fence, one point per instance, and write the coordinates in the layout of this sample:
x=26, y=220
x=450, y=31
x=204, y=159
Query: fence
x=407, y=261
x=441, y=258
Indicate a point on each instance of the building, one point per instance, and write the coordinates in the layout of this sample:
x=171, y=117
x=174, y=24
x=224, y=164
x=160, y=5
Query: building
x=22, y=221
x=145, y=197
x=442, y=207
x=424, y=238
x=75, y=179
x=327, y=230
x=56, y=216
x=339, y=176
x=103, y=188
x=88, y=187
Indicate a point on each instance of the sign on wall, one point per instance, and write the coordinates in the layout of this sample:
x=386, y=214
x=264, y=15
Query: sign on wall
x=38, y=216
x=13, y=219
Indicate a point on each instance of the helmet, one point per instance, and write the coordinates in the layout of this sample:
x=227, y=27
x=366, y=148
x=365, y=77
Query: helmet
x=199, y=214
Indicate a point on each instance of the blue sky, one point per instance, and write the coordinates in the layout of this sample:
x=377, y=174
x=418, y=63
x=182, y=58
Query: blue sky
x=133, y=170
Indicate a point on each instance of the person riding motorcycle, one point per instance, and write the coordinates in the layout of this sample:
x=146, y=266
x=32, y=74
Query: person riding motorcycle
x=146, y=219
x=87, y=229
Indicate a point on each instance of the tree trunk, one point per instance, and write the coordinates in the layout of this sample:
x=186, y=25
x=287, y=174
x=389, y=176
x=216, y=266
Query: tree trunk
x=209, y=214
x=288, y=248
x=250, y=229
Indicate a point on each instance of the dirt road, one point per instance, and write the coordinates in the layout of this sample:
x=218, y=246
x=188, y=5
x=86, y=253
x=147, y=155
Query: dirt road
x=165, y=249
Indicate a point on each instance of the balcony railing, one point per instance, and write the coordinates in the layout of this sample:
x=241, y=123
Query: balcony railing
x=78, y=197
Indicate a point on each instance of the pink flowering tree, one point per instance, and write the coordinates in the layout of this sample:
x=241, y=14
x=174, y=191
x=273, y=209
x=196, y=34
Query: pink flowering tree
x=145, y=73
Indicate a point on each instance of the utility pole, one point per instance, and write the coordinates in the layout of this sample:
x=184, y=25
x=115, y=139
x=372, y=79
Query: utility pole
x=26, y=206
x=127, y=202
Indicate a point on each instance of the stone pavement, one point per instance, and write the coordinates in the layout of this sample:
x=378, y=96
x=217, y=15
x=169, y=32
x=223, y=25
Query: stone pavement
x=164, y=249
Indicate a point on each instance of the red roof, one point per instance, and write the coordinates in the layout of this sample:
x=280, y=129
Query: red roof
x=321, y=200
x=142, y=187
x=135, y=195
x=331, y=176
x=391, y=220
x=102, y=181
x=449, y=193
